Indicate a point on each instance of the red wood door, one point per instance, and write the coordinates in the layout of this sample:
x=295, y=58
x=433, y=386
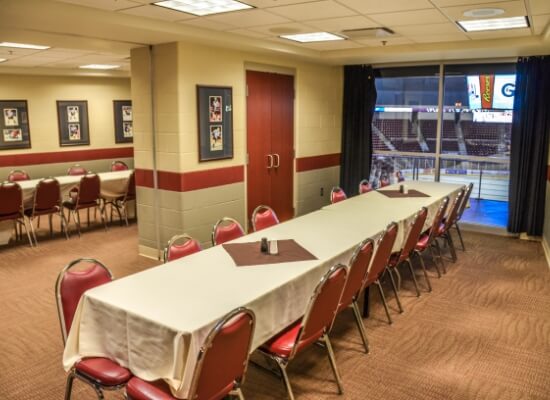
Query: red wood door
x=270, y=142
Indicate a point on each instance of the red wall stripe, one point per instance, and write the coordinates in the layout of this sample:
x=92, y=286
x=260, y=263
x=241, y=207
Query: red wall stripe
x=317, y=162
x=17, y=160
x=187, y=181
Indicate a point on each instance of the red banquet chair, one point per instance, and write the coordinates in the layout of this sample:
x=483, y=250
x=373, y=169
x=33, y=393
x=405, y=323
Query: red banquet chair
x=428, y=239
x=120, y=204
x=415, y=230
x=11, y=207
x=380, y=263
x=365, y=186
x=76, y=170
x=444, y=229
x=263, y=217
x=180, y=246
x=337, y=194
x=99, y=372
x=463, y=205
x=226, y=229
x=47, y=201
x=221, y=363
x=313, y=327
x=119, y=166
x=357, y=275
x=18, y=175
x=384, y=182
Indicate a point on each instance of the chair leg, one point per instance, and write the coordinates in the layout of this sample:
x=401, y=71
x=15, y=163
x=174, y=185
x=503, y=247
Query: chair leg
x=103, y=216
x=440, y=255
x=239, y=393
x=32, y=231
x=124, y=207
x=88, y=213
x=50, y=220
x=413, y=276
x=332, y=360
x=383, y=297
x=24, y=224
x=424, y=270
x=97, y=389
x=64, y=224
x=360, y=325
x=451, y=245
x=282, y=367
x=460, y=236
x=69, y=385
x=395, y=292
x=76, y=218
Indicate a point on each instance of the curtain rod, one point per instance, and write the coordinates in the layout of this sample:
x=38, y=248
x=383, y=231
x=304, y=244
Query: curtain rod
x=446, y=62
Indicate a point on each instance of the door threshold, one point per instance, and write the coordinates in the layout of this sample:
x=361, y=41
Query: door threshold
x=488, y=229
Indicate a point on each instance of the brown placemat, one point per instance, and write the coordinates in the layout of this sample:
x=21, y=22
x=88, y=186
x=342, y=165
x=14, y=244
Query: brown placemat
x=245, y=254
x=398, y=194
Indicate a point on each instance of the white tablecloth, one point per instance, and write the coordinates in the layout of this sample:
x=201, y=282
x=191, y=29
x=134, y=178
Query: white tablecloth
x=154, y=322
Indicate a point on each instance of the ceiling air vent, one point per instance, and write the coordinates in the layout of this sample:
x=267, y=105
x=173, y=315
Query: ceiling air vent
x=368, y=33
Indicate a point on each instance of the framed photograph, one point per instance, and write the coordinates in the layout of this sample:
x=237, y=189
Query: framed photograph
x=14, y=125
x=72, y=116
x=215, y=120
x=124, y=129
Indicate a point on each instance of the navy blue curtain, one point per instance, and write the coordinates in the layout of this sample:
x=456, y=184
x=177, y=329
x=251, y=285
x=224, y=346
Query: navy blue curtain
x=358, y=110
x=529, y=152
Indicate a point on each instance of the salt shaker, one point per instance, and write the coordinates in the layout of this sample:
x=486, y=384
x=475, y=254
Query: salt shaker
x=273, y=247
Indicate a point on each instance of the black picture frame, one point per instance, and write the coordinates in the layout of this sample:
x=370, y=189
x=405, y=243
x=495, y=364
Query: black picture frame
x=72, y=119
x=215, y=122
x=124, y=127
x=15, y=131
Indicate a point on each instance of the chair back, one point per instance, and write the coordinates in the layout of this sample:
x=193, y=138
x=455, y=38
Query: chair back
x=365, y=186
x=358, y=266
x=119, y=166
x=263, y=217
x=438, y=218
x=465, y=200
x=47, y=195
x=383, y=252
x=180, y=246
x=76, y=170
x=223, y=357
x=415, y=230
x=89, y=189
x=384, y=182
x=322, y=307
x=12, y=199
x=18, y=175
x=226, y=229
x=337, y=194
x=71, y=285
x=452, y=216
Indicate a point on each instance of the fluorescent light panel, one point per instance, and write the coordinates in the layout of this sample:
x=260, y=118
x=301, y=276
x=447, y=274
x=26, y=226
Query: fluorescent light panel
x=2, y=60
x=24, y=46
x=493, y=24
x=99, y=66
x=204, y=7
x=313, y=37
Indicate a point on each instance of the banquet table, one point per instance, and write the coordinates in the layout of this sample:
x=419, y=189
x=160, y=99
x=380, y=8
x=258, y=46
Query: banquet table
x=155, y=321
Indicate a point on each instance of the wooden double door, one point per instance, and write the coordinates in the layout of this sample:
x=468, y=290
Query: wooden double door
x=270, y=142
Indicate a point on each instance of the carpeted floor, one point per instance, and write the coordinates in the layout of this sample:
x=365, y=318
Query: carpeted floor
x=483, y=333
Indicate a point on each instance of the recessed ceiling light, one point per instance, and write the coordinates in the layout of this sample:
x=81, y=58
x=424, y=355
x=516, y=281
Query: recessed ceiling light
x=313, y=37
x=24, y=46
x=493, y=24
x=483, y=12
x=203, y=7
x=99, y=66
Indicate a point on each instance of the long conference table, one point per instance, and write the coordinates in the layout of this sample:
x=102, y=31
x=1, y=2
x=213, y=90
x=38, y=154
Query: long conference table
x=154, y=322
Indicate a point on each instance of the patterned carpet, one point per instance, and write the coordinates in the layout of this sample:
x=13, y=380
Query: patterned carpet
x=483, y=333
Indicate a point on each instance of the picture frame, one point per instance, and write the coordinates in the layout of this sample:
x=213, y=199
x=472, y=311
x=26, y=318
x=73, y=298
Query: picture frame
x=72, y=118
x=124, y=126
x=14, y=125
x=215, y=122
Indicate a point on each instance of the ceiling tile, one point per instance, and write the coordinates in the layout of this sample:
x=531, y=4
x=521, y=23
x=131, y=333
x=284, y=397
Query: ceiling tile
x=7, y=52
x=248, y=32
x=391, y=41
x=431, y=29
x=456, y=37
x=368, y=7
x=313, y=10
x=410, y=18
x=284, y=29
x=157, y=12
x=540, y=22
x=451, y=3
x=340, y=24
x=271, y=3
x=248, y=18
x=208, y=24
x=500, y=34
x=335, y=45
x=111, y=5
x=511, y=9
x=539, y=7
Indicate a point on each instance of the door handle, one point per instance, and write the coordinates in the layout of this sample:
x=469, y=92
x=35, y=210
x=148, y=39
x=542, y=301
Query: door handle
x=278, y=160
x=270, y=161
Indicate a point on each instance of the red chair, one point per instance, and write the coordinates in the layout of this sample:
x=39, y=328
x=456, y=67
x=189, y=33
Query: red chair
x=87, y=196
x=11, y=207
x=119, y=166
x=415, y=230
x=76, y=170
x=221, y=363
x=18, y=175
x=180, y=246
x=357, y=275
x=365, y=186
x=98, y=372
x=384, y=182
x=226, y=229
x=337, y=195
x=444, y=230
x=313, y=327
x=463, y=205
x=427, y=239
x=263, y=217
x=120, y=204
x=47, y=201
x=379, y=265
